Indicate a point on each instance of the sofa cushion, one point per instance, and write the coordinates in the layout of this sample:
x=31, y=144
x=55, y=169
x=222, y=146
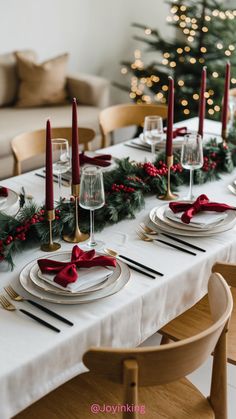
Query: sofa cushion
x=41, y=84
x=8, y=77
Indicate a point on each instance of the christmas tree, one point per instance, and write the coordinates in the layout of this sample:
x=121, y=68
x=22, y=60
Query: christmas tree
x=205, y=36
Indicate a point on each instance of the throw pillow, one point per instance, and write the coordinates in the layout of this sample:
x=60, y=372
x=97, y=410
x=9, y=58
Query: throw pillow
x=41, y=84
x=8, y=77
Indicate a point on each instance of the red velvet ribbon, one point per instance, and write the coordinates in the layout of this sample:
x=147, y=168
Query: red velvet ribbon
x=179, y=132
x=3, y=191
x=99, y=160
x=201, y=204
x=66, y=272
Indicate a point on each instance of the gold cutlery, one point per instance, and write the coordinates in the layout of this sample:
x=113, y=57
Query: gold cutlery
x=146, y=238
x=232, y=189
x=16, y=297
x=114, y=254
x=10, y=307
x=151, y=232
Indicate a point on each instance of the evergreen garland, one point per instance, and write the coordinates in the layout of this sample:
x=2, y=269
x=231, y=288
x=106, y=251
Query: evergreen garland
x=125, y=188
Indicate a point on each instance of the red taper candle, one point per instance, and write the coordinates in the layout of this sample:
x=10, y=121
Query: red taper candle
x=49, y=204
x=225, y=101
x=202, y=103
x=170, y=119
x=75, y=146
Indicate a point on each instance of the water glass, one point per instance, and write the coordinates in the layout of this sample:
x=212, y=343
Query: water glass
x=192, y=157
x=153, y=131
x=61, y=158
x=92, y=197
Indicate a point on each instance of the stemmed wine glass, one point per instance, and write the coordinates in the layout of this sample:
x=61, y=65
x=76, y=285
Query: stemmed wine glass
x=232, y=108
x=153, y=131
x=192, y=157
x=92, y=197
x=61, y=158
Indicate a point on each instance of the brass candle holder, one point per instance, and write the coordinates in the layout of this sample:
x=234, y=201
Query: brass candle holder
x=169, y=196
x=77, y=236
x=51, y=246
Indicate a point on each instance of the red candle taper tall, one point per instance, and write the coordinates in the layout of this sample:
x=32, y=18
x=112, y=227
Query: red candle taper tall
x=225, y=102
x=169, y=140
x=49, y=198
x=75, y=146
x=202, y=103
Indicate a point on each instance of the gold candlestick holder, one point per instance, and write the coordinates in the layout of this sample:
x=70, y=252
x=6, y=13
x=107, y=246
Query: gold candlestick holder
x=77, y=236
x=51, y=246
x=169, y=196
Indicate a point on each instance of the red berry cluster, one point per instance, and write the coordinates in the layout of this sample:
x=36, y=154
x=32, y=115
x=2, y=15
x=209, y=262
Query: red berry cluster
x=122, y=188
x=151, y=170
x=134, y=179
x=21, y=231
x=208, y=165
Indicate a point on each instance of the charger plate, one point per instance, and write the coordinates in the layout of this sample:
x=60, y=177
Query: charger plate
x=174, y=228
x=34, y=290
x=7, y=204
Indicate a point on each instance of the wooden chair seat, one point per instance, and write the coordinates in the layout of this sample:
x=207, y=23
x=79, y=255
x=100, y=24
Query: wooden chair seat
x=74, y=399
x=197, y=319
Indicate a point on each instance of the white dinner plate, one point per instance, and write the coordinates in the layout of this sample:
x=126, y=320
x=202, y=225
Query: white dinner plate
x=225, y=225
x=32, y=289
x=177, y=142
x=8, y=203
x=38, y=280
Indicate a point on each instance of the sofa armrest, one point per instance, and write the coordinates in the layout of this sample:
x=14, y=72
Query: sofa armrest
x=89, y=90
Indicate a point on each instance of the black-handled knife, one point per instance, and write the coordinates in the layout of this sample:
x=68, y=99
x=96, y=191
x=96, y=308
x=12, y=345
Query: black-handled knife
x=41, y=321
x=175, y=247
x=193, y=246
x=52, y=313
x=140, y=271
x=141, y=265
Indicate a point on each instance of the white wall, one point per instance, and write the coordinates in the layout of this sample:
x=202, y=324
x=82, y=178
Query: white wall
x=96, y=33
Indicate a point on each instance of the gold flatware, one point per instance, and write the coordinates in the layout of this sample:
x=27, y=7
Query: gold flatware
x=151, y=232
x=232, y=189
x=146, y=238
x=16, y=297
x=112, y=253
x=10, y=307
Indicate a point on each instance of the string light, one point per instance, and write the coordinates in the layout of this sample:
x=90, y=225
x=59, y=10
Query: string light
x=148, y=31
x=124, y=70
x=181, y=83
x=217, y=108
x=195, y=96
x=215, y=74
x=184, y=102
x=186, y=111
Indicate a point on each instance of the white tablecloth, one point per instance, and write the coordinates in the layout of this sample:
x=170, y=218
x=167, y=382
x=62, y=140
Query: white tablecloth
x=35, y=360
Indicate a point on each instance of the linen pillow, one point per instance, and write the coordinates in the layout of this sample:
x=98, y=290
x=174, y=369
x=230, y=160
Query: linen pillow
x=8, y=76
x=41, y=84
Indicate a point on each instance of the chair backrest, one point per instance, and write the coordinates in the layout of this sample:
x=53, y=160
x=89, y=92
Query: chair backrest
x=30, y=144
x=149, y=366
x=125, y=115
x=227, y=270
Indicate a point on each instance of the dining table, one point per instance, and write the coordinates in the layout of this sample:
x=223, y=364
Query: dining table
x=34, y=360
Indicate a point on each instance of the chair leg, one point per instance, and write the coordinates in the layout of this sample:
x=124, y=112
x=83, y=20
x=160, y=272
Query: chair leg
x=130, y=387
x=165, y=340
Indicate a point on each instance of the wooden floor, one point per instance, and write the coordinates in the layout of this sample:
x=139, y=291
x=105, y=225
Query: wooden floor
x=201, y=378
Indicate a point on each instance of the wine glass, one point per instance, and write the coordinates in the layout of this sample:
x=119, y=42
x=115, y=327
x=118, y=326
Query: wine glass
x=61, y=158
x=232, y=109
x=92, y=197
x=153, y=131
x=192, y=157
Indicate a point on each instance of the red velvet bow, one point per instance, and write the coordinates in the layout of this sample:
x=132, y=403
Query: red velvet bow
x=66, y=272
x=3, y=191
x=201, y=204
x=179, y=132
x=99, y=160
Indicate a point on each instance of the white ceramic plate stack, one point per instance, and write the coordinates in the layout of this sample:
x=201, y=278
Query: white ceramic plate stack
x=9, y=204
x=177, y=142
x=39, y=284
x=216, y=223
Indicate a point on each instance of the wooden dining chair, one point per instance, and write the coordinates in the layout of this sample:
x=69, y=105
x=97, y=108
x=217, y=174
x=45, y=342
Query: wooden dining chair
x=125, y=115
x=150, y=380
x=198, y=317
x=30, y=144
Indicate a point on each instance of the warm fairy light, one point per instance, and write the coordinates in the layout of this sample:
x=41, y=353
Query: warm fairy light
x=195, y=96
x=184, y=102
x=215, y=13
x=186, y=111
x=176, y=18
x=181, y=83
x=124, y=70
x=219, y=45
x=194, y=26
x=194, y=20
x=165, y=88
x=166, y=55
x=149, y=83
x=163, y=100
x=192, y=33
x=148, y=31
x=228, y=53
x=210, y=102
x=172, y=64
x=206, y=94
x=165, y=61
x=203, y=49
x=182, y=24
x=204, y=29
x=188, y=20
x=192, y=60
x=137, y=53
x=217, y=108
x=169, y=19
x=211, y=111
x=215, y=74
x=146, y=99
x=174, y=9
x=187, y=49
x=186, y=31
x=182, y=17
x=222, y=15
x=159, y=96
x=207, y=18
x=155, y=79
x=180, y=50
x=231, y=47
x=201, y=60
x=132, y=95
x=211, y=92
x=190, y=39
x=183, y=8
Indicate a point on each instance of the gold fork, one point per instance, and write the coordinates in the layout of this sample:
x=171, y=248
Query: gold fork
x=152, y=232
x=10, y=307
x=146, y=238
x=17, y=297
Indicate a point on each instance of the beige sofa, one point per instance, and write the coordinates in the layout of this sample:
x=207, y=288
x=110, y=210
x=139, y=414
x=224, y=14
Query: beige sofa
x=92, y=94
